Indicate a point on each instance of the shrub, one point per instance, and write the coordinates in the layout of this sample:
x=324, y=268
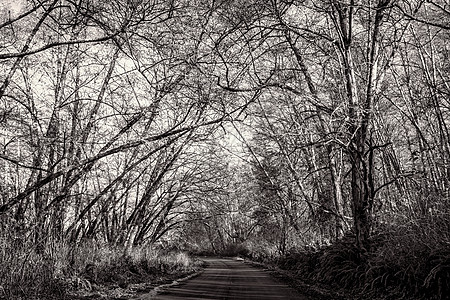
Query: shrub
x=235, y=250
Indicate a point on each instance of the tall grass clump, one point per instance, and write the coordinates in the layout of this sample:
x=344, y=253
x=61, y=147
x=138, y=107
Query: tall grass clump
x=414, y=259
x=26, y=273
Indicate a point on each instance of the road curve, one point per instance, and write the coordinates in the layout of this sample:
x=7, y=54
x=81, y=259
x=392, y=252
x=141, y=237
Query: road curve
x=230, y=279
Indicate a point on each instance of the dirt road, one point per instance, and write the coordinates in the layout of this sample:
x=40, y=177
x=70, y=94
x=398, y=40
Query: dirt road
x=230, y=279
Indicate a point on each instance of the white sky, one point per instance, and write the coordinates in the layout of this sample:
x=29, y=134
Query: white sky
x=12, y=5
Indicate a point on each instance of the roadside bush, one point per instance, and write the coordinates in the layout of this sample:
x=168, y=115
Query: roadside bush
x=239, y=249
x=411, y=261
x=262, y=251
x=336, y=265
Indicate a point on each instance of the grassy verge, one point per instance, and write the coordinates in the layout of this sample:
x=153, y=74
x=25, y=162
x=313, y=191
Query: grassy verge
x=91, y=270
x=411, y=261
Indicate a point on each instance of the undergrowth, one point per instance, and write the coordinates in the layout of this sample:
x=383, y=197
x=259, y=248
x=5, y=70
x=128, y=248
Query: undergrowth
x=411, y=261
x=59, y=269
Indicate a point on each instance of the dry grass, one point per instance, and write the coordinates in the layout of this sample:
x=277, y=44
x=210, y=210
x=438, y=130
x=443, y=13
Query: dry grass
x=62, y=269
x=26, y=274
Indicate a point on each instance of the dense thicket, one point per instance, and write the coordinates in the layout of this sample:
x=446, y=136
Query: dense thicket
x=260, y=127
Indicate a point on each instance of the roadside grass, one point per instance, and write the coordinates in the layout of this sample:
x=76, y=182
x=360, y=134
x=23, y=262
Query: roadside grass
x=411, y=261
x=62, y=271
x=27, y=274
